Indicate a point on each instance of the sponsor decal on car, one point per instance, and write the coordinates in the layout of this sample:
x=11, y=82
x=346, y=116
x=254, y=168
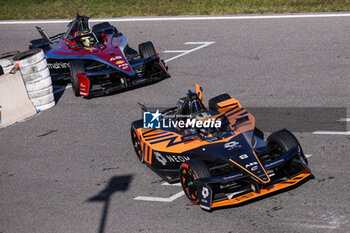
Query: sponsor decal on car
x=232, y=177
x=123, y=66
x=164, y=159
x=205, y=192
x=244, y=196
x=115, y=58
x=231, y=145
x=160, y=158
x=251, y=164
x=58, y=65
x=244, y=156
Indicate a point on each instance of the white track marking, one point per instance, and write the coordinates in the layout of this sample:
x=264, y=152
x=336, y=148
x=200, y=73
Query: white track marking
x=308, y=156
x=160, y=199
x=185, y=52
x=332, y=132
x=344, y=119
x=175, y=51
x=61, y=88
x=335, y=132
x=167, y=184
x=186, y=18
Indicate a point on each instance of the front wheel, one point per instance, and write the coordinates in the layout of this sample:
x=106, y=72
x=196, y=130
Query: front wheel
x=189, y=172
x=282, y=141
x=146, y=49
x=76, y=67
x=137, y=144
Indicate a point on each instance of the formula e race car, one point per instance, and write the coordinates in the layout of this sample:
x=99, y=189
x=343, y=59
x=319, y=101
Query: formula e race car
x=217, y=153
x=99, y=61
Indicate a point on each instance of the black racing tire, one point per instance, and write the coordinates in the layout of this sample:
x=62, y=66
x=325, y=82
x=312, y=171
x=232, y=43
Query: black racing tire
x=215, y=100
x=284, y=140
x=189, y=171
x=136, y=144
x=76, y=67
x=146, y=49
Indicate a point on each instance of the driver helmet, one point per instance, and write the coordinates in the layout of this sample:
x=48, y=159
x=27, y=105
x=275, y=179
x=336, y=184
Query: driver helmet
x=86, y=40
x=206, y=131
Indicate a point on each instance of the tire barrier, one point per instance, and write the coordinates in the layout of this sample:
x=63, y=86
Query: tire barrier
x=36, y=77
x=14, y=101
x=38, y=85
x=42, y=92
x=7, y=62
x=34, y=68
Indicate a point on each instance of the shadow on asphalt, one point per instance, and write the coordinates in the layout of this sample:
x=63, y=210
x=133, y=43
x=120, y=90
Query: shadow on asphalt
x=58, y=90
x=115, y=184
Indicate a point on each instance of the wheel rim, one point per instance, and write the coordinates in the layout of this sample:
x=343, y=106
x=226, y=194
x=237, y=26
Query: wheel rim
x=187, y=182
x=137, y=145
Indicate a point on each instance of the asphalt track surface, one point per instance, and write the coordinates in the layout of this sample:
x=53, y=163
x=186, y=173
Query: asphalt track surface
x=73, y=168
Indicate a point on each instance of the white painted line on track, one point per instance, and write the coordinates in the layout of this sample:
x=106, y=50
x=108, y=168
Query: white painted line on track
x=185, y=52
x=308, y=156
x=344, y=119
x=175, y=51
x=332, y=132
x=183, y=18
x=167, y=184
x=160, y=199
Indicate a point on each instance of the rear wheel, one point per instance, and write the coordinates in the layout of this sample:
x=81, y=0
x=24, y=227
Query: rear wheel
x=146, y=49
x=189, y=172
x=76, y=67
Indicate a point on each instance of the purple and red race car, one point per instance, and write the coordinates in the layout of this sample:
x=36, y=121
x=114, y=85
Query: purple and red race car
x=99, y=61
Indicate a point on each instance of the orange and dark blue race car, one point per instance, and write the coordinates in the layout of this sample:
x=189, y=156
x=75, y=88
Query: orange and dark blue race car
x=217, y=153
x=99, y=61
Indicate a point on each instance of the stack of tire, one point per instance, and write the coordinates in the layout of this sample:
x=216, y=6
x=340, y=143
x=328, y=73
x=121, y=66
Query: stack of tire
x=6, y=62
x=36, y=76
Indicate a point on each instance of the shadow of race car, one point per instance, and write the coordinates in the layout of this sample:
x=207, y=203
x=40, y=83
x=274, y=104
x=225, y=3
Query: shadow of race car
x=225, y=162
x=99, y=61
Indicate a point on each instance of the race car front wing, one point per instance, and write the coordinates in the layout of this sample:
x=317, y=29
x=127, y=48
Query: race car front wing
x=153, y=69
x=208, y=199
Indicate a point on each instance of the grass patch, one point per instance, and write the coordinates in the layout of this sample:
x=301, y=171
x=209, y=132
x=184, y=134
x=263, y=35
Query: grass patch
x=52, y=9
